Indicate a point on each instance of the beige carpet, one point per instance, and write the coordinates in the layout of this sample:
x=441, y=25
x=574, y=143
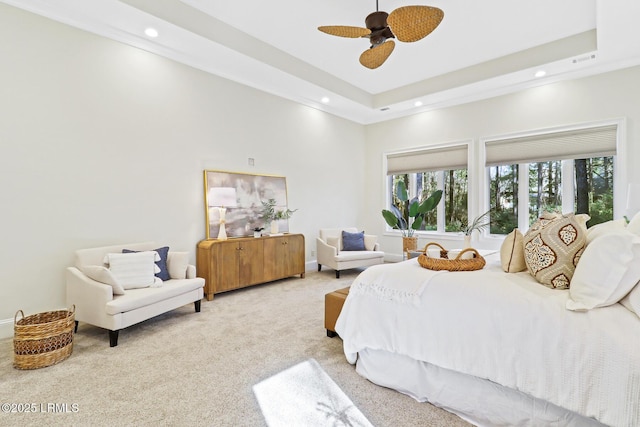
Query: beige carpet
x=187, y=368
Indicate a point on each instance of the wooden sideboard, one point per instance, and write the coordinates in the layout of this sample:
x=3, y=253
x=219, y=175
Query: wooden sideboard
x=240, y=262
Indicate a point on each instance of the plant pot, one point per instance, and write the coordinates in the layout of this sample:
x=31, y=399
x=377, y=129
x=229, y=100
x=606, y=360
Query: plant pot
x=274, y=227
x=409, y=244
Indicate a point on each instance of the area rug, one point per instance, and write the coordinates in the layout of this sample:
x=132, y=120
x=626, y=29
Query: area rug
x=305, y=395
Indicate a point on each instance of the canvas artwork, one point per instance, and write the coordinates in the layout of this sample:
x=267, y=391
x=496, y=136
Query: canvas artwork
x=250, y=192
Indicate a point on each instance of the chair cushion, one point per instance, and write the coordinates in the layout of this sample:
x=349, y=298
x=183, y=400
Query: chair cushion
x=136, y=298
x=356, y=255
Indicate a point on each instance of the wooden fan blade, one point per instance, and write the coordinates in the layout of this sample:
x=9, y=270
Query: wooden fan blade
x=412, y=23
x=345, y=31
x=375, y=57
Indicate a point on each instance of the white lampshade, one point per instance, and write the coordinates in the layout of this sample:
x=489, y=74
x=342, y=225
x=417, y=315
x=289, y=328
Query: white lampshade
x=222, y=197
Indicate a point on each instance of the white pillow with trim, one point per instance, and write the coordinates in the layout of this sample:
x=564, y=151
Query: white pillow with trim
x=102, y=274
x=634, y=224
x=177, y=263
x=135, y=269
x=608, y=269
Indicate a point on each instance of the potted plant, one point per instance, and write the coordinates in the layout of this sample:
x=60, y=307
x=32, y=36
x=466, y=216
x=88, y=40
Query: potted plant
x=479, y=223
x=271, y=215
x=408, y=215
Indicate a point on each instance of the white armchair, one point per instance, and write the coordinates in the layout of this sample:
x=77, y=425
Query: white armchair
x=331, y=253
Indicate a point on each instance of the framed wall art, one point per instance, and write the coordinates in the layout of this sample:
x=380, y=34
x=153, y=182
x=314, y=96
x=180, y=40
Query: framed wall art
x=242, y=196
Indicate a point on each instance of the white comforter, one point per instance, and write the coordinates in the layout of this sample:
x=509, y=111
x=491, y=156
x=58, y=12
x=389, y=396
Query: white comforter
x=503, y=327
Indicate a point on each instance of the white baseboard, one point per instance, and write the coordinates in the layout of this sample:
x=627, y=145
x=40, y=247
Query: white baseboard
x=311, y=265
x=6, y=328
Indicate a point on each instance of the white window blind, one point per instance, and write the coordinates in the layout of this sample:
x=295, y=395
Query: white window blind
x=427, y=159
x=573, y=144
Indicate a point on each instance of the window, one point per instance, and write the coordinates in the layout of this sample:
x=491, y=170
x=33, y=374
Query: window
x=566, y=171
x=427, y=170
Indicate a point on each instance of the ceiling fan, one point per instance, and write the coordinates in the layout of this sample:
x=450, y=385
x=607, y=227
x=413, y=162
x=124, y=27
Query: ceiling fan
x=407, y=24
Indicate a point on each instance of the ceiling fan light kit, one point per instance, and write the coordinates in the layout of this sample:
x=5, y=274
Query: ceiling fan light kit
x=407, y=24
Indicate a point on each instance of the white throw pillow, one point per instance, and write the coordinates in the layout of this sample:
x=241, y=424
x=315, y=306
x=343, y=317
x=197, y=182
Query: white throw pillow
x=135, y=269
x=512, y=253
x=604, y=228
x=102, y=274
x=632, y=300
x=608, y=269
x=370, y=242
x=634, y=224
x=177, y=264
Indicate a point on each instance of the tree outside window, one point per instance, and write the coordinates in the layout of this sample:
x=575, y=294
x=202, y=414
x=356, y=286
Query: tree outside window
x=592, y=191
x=454, y=184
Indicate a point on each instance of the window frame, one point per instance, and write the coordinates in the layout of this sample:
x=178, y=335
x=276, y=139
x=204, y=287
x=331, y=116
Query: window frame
x=472, y=197
x=620, y=179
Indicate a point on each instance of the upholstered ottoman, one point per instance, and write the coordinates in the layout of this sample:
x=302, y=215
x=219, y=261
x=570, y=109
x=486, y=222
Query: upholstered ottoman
x=333, y=302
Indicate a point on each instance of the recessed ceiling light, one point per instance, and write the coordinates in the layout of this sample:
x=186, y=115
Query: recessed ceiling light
x=151, y=32
x=540, y=73
x=418, y=103
x=325, y=100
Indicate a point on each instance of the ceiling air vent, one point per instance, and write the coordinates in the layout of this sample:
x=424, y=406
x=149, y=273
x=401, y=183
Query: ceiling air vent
x=584, y=58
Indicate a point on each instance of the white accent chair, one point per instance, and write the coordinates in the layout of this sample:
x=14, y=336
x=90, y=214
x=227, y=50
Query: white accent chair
x=331, y=254
x=96, y=303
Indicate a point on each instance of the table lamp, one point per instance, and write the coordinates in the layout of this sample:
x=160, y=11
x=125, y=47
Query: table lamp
x=222, y=198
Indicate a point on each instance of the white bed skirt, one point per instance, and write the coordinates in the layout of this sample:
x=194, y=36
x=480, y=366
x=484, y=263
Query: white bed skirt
x=478, y=401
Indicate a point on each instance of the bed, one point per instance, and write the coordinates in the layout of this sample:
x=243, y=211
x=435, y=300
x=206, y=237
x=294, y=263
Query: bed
x=495, y=348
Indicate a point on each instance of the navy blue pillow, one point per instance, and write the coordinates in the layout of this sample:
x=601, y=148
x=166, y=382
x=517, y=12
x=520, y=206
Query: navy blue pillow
x=162, y=264
x=353, y=241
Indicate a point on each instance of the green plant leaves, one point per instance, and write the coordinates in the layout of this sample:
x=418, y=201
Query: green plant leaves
x=401, y=191
x=390, y=218
x=430, y=202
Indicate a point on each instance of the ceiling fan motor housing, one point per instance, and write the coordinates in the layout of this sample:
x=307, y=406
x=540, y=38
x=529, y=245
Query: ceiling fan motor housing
x=377, y=23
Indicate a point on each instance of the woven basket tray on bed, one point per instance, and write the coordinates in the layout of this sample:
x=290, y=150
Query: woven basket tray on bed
x=456, y=264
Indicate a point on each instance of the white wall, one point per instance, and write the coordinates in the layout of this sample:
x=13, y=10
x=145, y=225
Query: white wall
x=103, y=143
x=607, y=96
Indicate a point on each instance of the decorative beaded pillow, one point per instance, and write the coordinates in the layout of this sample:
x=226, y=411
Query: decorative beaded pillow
x=552, y=248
